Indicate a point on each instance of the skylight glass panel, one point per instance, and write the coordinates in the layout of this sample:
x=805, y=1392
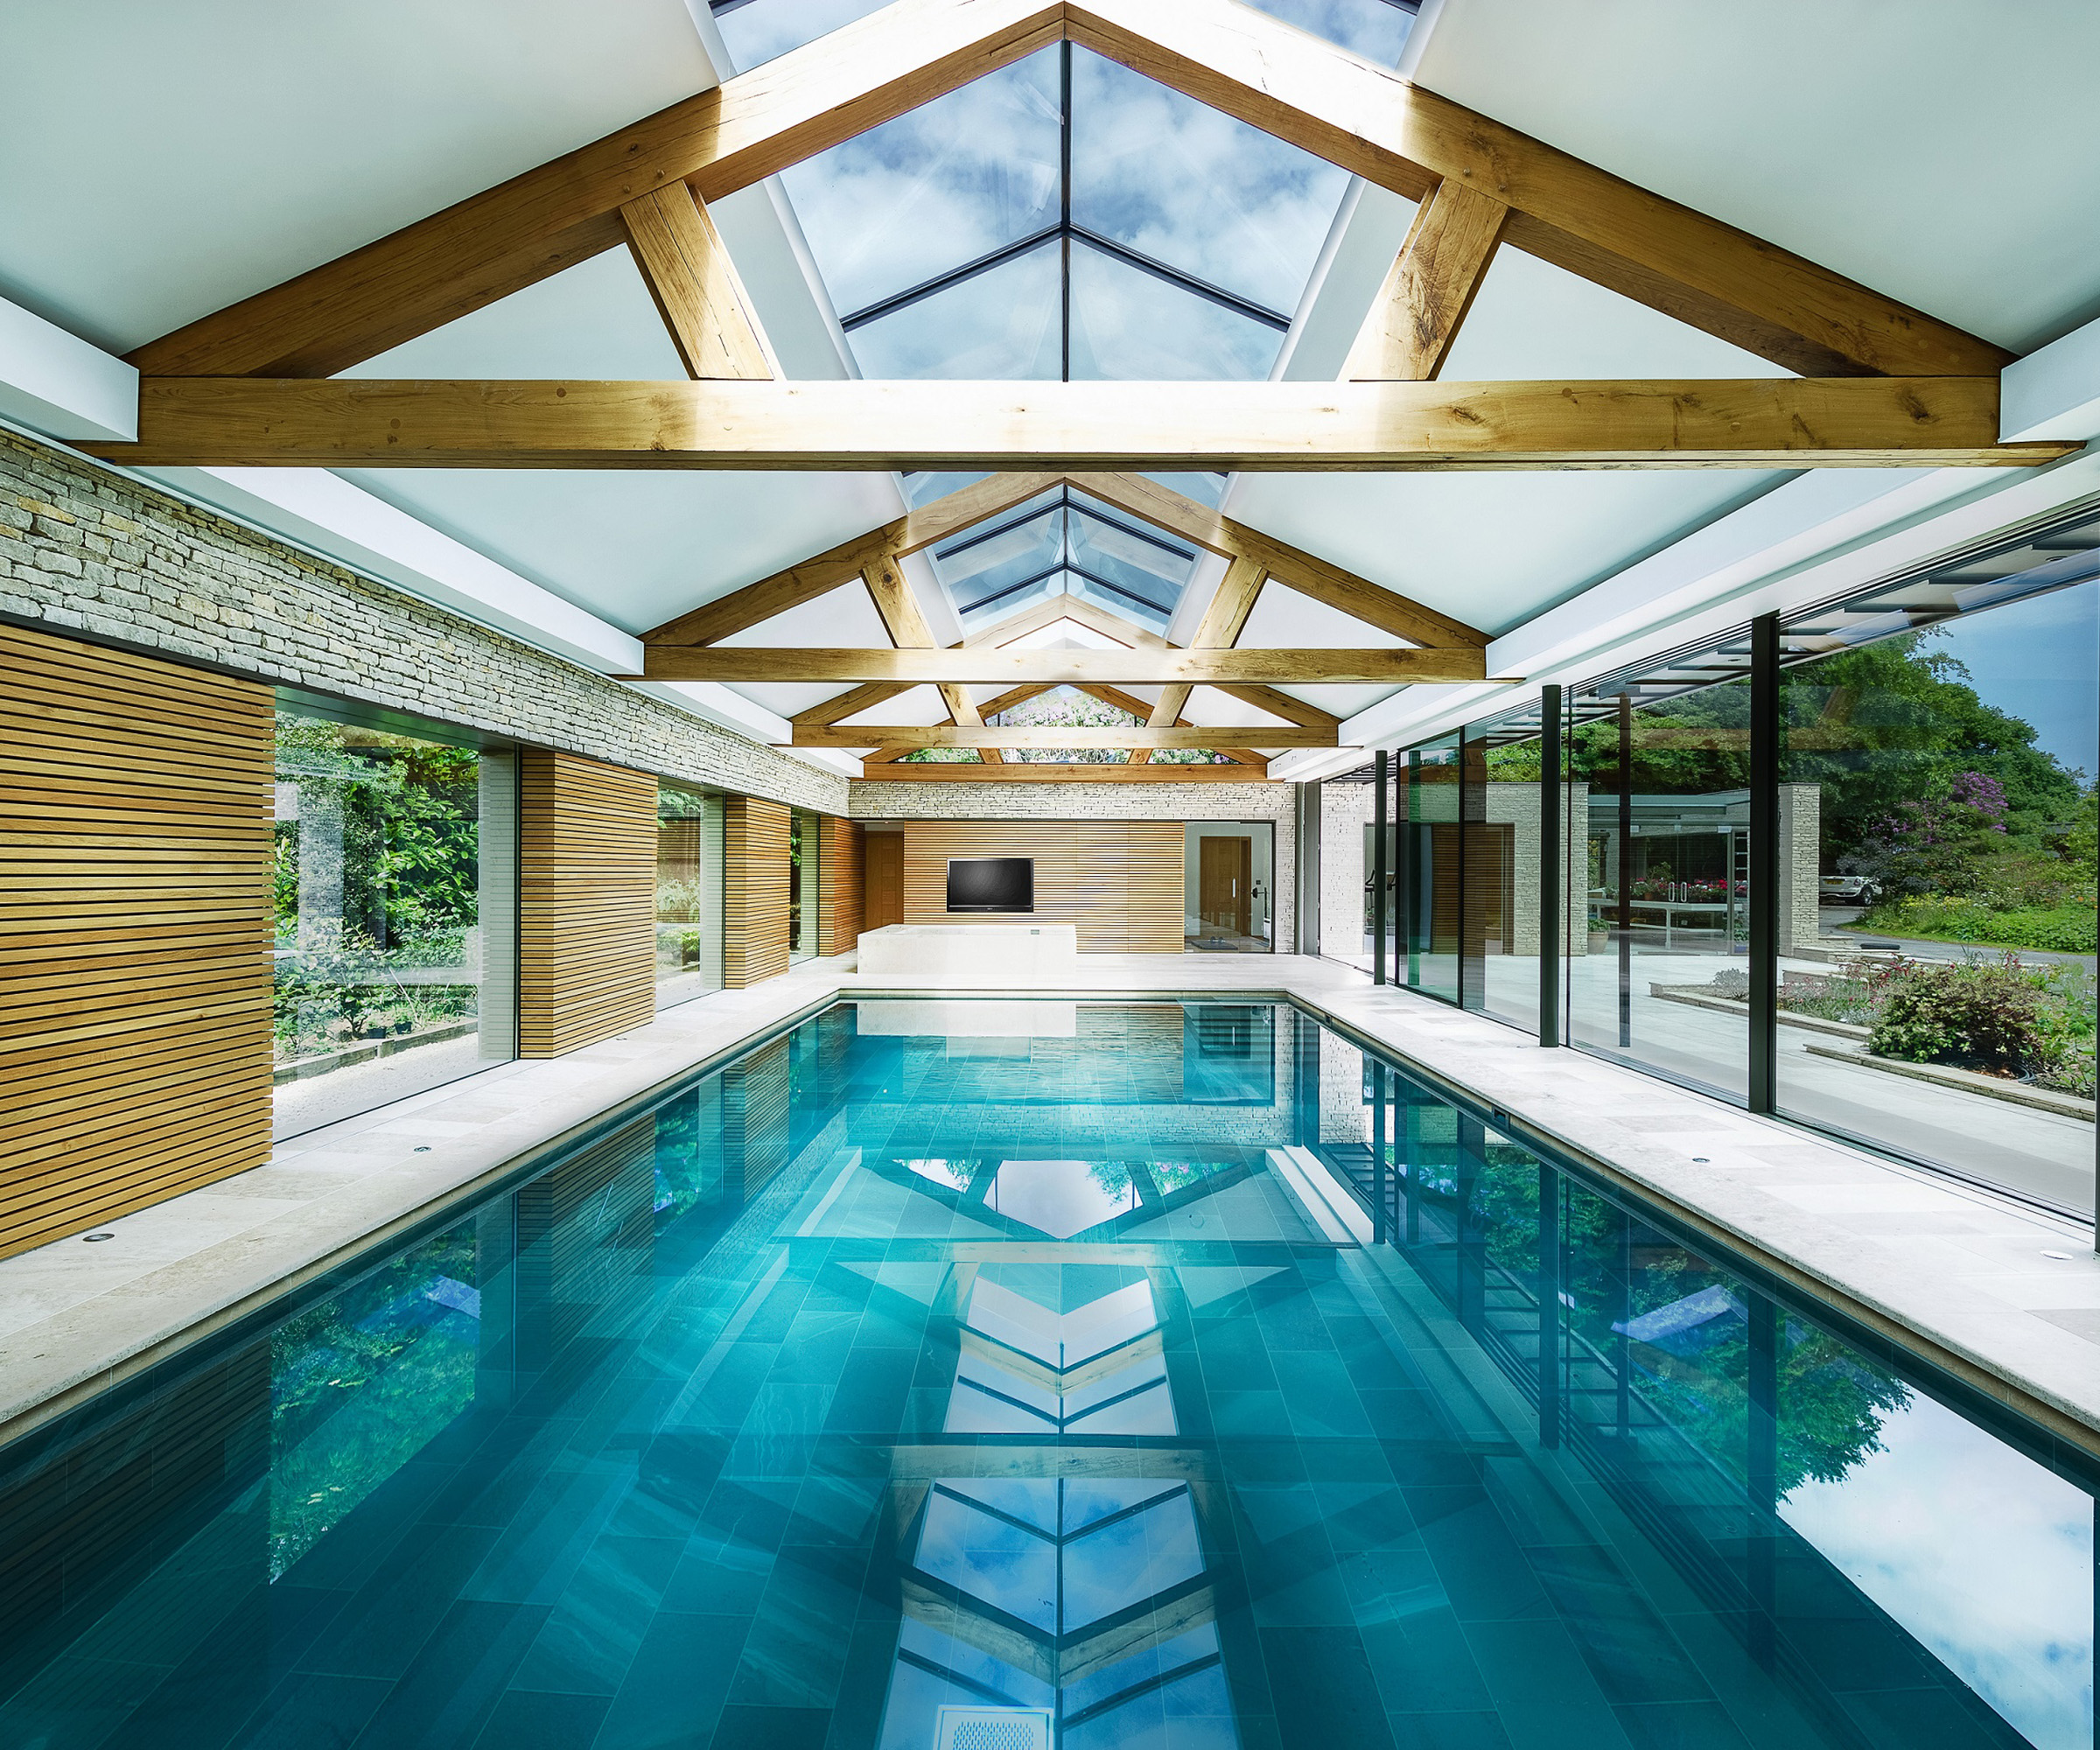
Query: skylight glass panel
x=1063, y=217
x=1013, y=599
x=1131, y=604
x=1128, y=325
x=991, y=563
x=1184, y=184
x=1374, y=28
x=940, y=187
x=1123, y=557
x=1005, y=322
x=757, y=30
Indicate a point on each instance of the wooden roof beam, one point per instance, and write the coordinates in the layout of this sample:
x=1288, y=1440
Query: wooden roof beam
x=756, y=603
x=1316, y=95
x=755, y=664
x=1431, y=286
x=522, y=231
x=695, y=283
x=992, y=738
x=1072, y=427
x=1356, y=113
x=1053, y=772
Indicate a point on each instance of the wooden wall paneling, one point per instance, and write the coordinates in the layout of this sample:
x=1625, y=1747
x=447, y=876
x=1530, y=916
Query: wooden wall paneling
x=754, y=890
x=841, y=886
x=586, y=902
x=135, y=932
x=1119, y=882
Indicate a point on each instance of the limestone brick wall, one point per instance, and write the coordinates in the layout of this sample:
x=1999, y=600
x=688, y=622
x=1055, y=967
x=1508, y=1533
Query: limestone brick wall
x=1344, y=809
x=88, y=550
x=1163, y=800
x=1800, y=864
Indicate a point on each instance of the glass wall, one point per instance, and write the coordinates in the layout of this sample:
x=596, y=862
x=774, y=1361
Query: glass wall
x=1663, y=978
x=1504, y=798
x=688, y=893
x=805, y=877
x=1428, y=896
x=1853, y=881
x=394, y=888
x=1228, y=877
x=1937, y=931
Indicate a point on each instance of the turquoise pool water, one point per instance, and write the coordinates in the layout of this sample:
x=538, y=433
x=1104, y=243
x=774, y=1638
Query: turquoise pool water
x=1160, y=1375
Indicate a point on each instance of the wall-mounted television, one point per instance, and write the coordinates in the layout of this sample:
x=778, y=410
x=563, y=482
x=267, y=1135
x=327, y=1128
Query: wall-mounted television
x=991, y=884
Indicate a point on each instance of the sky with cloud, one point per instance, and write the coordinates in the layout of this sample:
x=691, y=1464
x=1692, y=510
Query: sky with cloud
x=975, y=170
x=1984, y=1556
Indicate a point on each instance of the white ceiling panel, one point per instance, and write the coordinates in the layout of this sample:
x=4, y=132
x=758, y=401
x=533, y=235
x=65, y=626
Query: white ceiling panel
x=1490, y=550
x=1937, y=151
x=165, y=161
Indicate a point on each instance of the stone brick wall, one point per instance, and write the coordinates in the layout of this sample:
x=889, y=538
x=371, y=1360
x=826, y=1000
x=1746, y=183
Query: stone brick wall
x=1163, y=800
x=88, y=550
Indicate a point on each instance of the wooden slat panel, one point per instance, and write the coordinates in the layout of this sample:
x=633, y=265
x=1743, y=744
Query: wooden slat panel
x=135, y=932
x=842, y=885
x=587, y=902
x=1119, y=882
x=754, y=890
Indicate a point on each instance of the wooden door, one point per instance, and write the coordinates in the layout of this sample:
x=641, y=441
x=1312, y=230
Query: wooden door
x=885, y=880
x=1225, y=883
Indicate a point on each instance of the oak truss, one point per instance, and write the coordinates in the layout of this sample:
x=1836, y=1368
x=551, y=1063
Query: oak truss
x=1876, y=382
x=690, y=646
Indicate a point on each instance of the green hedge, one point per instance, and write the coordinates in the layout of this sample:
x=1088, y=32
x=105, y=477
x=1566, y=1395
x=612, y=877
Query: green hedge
x=2060, y=929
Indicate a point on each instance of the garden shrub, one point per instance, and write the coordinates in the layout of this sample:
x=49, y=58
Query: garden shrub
x=1982, y=1015
x=2060, y=929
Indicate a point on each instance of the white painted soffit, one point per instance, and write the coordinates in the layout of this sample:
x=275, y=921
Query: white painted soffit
x=56, y=383
x=325, y=513
x=1814, y=538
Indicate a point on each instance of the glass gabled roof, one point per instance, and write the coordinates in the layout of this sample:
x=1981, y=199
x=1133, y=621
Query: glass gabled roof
x=1061, y=217
x=1065, y=543
x=757, y=30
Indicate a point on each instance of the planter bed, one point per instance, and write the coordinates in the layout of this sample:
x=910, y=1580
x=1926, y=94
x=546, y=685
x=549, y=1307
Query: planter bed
x=2019, y=1093
x=367, y=1052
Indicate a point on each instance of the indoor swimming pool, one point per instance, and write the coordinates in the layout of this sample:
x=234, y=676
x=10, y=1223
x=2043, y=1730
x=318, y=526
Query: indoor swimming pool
x=999, y=1375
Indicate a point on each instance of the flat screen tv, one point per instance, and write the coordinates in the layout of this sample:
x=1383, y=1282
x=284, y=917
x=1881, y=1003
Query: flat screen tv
x=991, y=884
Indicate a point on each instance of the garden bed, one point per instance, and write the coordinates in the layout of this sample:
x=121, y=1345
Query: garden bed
x=1700, y=996
x=1968, y=1081
x=368, y=1051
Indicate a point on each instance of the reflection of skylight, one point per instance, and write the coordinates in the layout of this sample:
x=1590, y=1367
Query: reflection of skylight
x=1061, y=217
x=1064, y=542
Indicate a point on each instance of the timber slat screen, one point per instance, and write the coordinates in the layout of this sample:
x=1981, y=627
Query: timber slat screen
x=754, y=890
x=587, y=902
x=841, y=886
x=1120, y=882
x=135, y=943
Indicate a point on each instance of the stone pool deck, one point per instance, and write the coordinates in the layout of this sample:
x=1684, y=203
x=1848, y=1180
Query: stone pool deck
x=1965, y=1277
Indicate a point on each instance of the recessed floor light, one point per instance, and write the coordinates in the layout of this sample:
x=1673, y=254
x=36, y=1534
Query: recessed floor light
x=91, y=1238
x=2061, y=1258
x=1699, y=1160
x=422, y=1148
